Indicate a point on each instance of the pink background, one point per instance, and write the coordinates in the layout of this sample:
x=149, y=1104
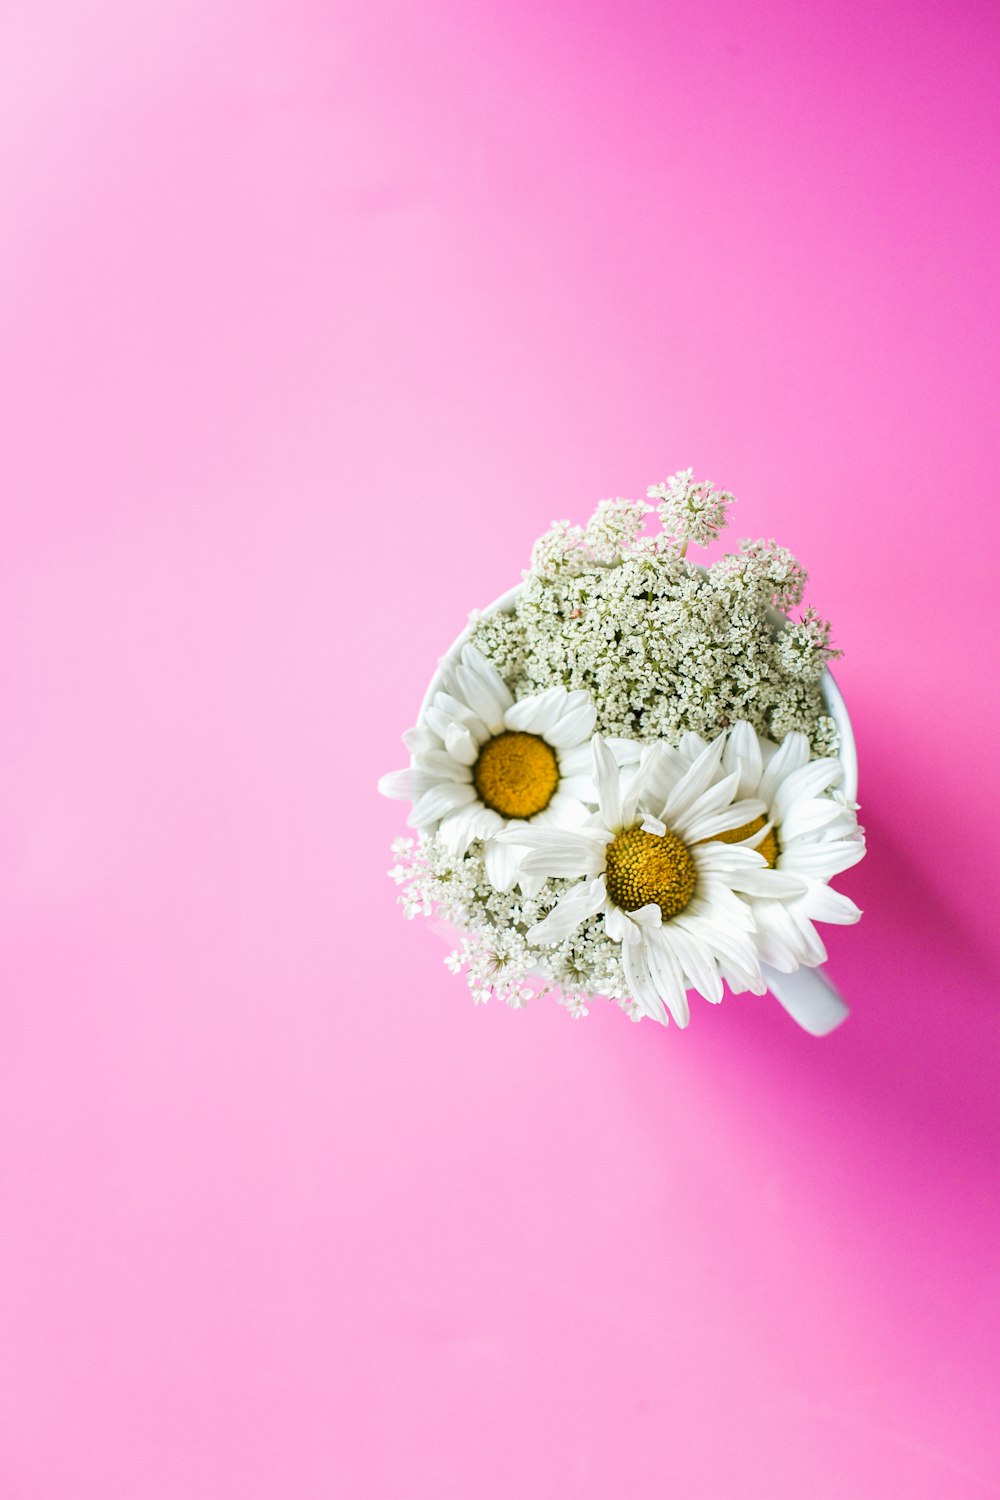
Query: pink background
x=314, y=315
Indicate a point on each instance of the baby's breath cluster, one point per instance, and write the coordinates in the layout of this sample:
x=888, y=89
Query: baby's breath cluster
x=662, y=644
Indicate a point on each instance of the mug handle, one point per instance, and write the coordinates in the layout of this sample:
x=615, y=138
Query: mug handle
x=809, y=998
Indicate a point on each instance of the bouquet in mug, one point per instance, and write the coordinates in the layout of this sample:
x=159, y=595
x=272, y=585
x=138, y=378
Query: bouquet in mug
x=633, y=776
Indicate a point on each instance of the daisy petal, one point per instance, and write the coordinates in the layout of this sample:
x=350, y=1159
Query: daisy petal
x=810, y=814
x=843, y=825
x=660, y=769
x=715, y=797
x=556, y=851
x=580, y=787
x=737, y=953
x=695, y=957
x=778, y=941
x=538, y=836
x=564, y=810
x=439, y=800
x=792, y=753
x=769, y=885
x=692, y=745
x=668, y=977
x=398, y=784
x=709, y=825
x=717, y=901
x=813, y=947
x=420, y=739
x=575, y=761
x=501, y=865
x=486, y=704
x=461, y=744
x=577, y=698
x=580, y=902
x=807, y=782
x=742, y=754
x=574, y=726
x=487, y=673
x=536, y=714
x=724, y=860
x=458, y=829
x=446, y=708
x=607, y=780
x=696, y=780
x=439, y=722
x=625, y=752
x=822, y=904
x=640, y=982
x=443, y=766
x=620, y=927
x=823, y=859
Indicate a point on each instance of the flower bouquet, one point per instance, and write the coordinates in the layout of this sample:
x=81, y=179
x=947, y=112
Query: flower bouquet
x=633, y=777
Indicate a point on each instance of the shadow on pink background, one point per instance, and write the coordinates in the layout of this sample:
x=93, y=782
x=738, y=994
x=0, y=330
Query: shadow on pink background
x=314, y=316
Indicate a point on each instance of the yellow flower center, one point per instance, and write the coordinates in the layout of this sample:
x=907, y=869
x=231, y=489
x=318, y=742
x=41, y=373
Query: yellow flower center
x=644, y=868
x=768, y=845
x=516, y=774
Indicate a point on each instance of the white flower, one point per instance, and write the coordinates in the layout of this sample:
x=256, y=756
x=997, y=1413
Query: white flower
x=613, y=530
x=481, y=763
x=808, y=834
x=666, y=895
x=688, y=511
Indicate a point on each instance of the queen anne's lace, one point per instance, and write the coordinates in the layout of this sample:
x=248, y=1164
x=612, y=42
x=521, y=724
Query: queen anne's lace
x=491, y=943
x=690, y=511
x=665, y=646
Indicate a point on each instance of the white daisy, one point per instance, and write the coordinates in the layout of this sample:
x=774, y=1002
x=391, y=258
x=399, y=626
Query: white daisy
x=808, y=833
x=649, y=863
x=481, y=762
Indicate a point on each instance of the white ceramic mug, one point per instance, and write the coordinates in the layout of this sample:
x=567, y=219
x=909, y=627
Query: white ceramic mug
x=807, y=995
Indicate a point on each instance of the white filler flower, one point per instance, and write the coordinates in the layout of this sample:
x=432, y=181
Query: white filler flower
x=482, y=763
x=808, y=833
x=649, y=862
